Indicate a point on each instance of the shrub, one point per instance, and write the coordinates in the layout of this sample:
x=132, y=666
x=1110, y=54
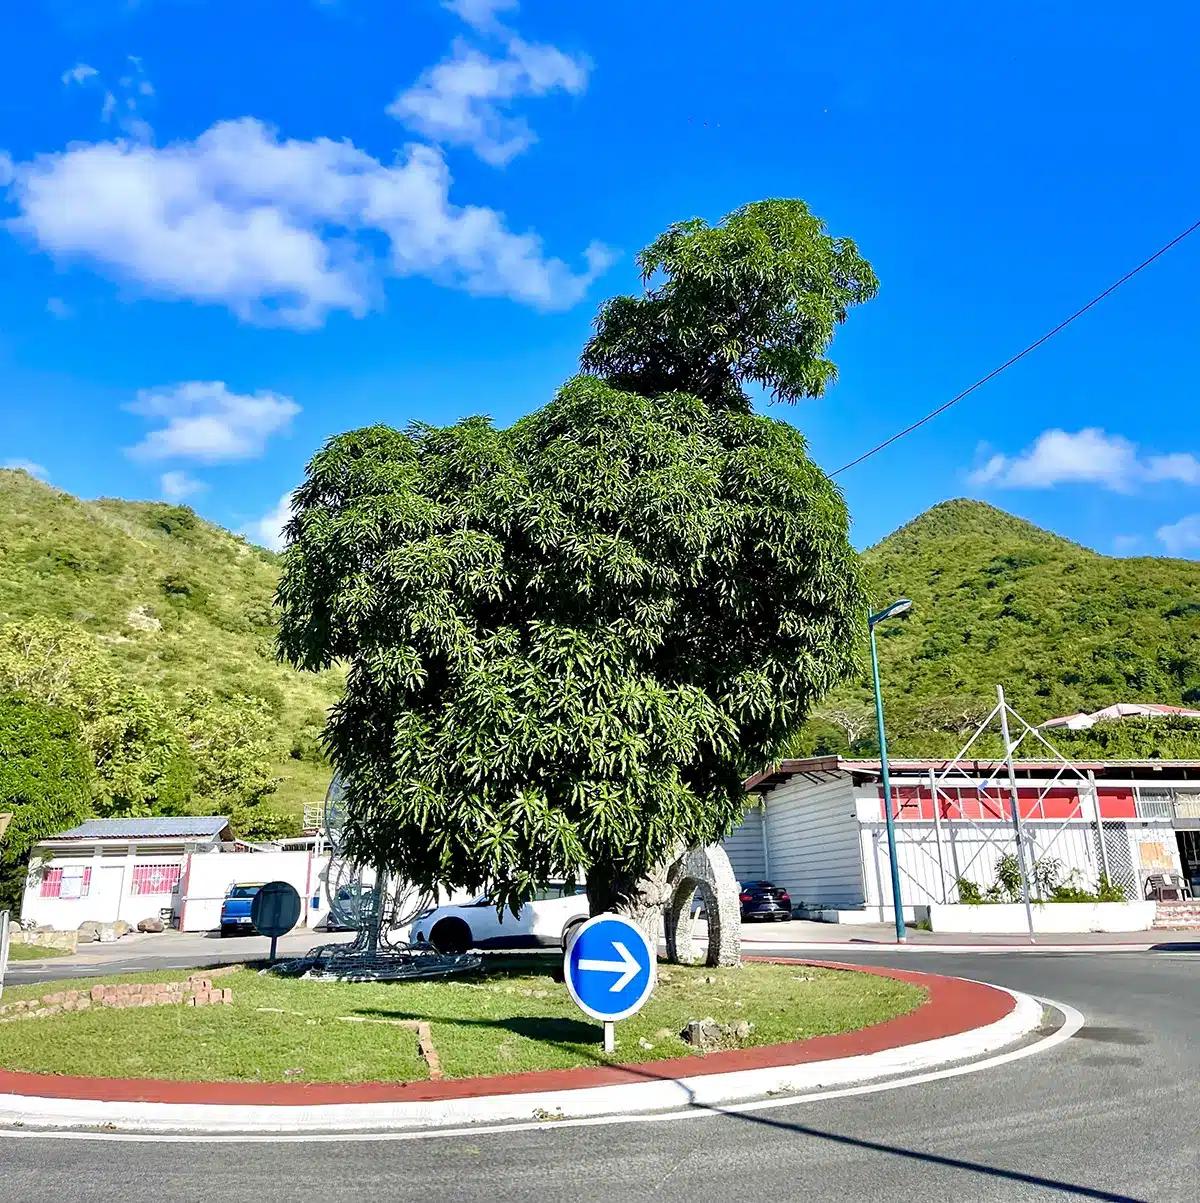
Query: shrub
x=1008, y=877
x=968, y=892
x=174, y=520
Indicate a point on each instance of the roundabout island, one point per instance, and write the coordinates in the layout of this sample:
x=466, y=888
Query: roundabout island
x=500, y=1044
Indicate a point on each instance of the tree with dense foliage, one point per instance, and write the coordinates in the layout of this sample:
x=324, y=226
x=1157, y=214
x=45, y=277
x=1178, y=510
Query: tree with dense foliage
x=568, y=641
x=203, y=754
x=45, y=779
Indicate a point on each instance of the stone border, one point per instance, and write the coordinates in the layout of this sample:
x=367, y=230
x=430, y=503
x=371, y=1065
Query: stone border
x=954, y=1007
x=197, y=991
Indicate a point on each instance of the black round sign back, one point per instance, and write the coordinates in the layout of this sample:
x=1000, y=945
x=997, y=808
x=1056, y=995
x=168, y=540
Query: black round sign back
x=275, y=909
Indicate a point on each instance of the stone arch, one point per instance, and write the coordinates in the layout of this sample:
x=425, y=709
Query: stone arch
x=708, y=871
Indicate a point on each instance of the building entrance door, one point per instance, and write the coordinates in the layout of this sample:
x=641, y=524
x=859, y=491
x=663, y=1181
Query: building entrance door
x=108, y=888
x=1189, y=855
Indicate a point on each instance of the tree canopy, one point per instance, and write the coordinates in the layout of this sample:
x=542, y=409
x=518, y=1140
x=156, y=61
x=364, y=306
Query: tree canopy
x=148, y=756
x=44, y=782
x=569, y=640
x=755, y=298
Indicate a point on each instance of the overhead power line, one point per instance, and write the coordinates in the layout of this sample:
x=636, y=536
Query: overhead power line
x=941, y=409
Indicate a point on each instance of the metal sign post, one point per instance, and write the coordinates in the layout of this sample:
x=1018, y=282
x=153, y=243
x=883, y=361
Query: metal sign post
x=275, y=910
x=1016, y=808
x=609, y=971
x=3, y=949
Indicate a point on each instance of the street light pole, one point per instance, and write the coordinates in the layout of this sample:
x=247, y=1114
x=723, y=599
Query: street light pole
x=897, y=607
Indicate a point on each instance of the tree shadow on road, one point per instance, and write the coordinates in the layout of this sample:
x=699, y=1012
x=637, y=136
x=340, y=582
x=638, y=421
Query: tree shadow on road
x=932, y=1159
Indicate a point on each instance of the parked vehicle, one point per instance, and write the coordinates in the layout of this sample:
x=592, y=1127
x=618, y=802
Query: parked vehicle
x=352, y=907
x=762, y=900
x=546, y=921
x=235, y=910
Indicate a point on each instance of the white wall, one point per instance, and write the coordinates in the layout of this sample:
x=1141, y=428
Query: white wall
x=66, y=914
x=972, y=850
x=109, y=895
x=744, y=847
x=208, y=876
x=812, y=842
x=1007, y=917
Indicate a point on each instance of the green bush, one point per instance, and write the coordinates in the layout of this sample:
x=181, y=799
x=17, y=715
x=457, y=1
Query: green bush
x=968, y=892
x=175, y=520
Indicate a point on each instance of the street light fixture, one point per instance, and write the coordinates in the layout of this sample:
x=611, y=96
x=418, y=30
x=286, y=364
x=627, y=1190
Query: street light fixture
x=900, y=606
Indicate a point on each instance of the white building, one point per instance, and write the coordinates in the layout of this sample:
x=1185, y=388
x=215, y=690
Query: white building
x=177, y=869
x=818, y=828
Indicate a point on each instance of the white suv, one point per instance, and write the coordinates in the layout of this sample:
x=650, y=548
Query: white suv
x=544, y=922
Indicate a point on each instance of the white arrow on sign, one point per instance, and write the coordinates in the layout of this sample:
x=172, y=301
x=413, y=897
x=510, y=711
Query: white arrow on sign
x=627, y=966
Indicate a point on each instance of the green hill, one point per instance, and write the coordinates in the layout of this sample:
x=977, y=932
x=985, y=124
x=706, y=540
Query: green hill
x=173, y=603
x=997, y=600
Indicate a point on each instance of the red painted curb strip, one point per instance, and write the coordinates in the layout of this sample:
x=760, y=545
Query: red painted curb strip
x=953, y=1006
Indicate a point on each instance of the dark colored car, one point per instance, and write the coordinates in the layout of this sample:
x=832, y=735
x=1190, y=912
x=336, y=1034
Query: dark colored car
x=762, y=900
x=235, y=910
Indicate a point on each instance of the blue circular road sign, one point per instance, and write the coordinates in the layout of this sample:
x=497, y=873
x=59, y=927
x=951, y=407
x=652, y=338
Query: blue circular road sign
x=609, y=968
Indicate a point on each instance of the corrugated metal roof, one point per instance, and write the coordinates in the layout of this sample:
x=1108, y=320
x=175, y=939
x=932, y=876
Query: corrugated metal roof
x=174, y=827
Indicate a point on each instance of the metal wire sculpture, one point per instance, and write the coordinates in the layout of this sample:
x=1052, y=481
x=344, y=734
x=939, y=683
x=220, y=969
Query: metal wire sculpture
x=379, y=909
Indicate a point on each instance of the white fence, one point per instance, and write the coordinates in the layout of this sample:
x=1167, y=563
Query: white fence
x=932, y=857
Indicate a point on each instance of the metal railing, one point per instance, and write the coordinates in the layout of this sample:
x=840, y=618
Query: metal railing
x=1167, y=804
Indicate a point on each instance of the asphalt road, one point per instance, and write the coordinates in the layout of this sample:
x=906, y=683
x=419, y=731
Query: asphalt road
x=167, y=950
x=1108, y=1115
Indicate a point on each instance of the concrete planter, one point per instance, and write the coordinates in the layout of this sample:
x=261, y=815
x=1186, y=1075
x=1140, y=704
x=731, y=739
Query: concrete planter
x=1002, y=917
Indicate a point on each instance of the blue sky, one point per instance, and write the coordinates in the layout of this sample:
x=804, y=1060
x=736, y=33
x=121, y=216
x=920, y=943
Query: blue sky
x=232, y=230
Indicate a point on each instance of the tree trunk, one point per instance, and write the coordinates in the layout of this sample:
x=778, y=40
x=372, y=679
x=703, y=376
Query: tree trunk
x=639, y=899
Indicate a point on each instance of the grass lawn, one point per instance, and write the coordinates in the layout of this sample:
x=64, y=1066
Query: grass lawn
x=509, y=1018
x=33, y=952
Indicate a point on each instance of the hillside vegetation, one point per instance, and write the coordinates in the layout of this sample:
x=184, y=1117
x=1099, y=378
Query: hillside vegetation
x=156, y=629
x=997, y=600
x=175, y=616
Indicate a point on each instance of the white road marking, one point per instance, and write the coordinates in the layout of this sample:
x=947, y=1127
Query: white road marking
x=1073, y=1020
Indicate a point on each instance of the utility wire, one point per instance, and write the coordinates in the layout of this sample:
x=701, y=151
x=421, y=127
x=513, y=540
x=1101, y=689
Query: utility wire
x=941, y=409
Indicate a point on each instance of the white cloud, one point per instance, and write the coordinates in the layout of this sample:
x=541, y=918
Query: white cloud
x=480, y=14
x=79, y=73
x=460, y=101
x=1125, y=545
x=121, y=103
x=122, y=106
x=1181, y=537
x=58, y=308
x=1179, y=466
x=268, y=530
x=27, y=465
x=208, y=423
x=178, y=485
x=1089, y=456
x=275, y=229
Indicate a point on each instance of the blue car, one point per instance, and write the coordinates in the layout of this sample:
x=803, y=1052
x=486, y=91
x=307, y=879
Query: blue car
x=235, y=910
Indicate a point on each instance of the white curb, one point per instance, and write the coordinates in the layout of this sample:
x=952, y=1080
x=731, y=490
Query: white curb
x=649, y=1096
